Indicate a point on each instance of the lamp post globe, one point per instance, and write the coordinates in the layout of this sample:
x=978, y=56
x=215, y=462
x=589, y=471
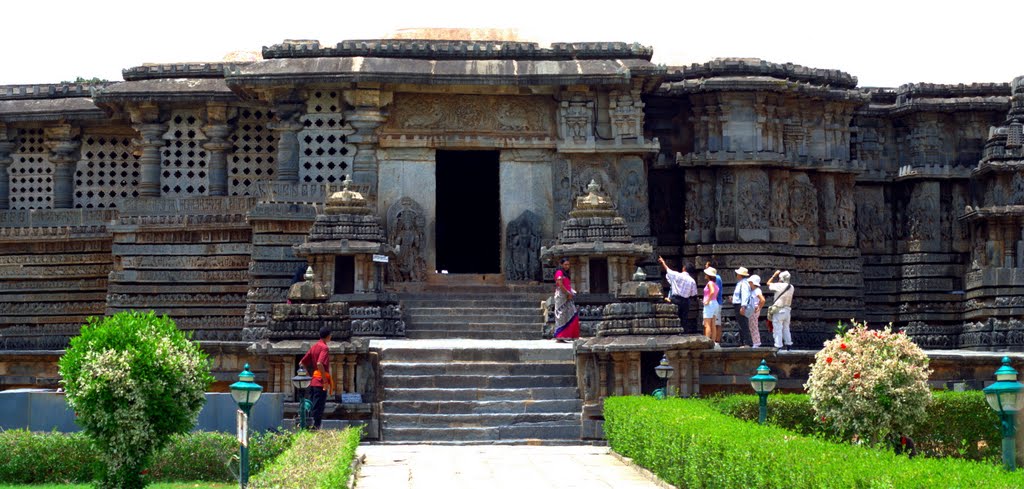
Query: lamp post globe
x=1006, y=399
x=245, y=392
x=664, y=371
x=301, y=383
x=763, y=383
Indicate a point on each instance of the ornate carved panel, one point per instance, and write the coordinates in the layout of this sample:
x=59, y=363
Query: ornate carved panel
x=431, y=113
x=253, y=153
x=522, y=248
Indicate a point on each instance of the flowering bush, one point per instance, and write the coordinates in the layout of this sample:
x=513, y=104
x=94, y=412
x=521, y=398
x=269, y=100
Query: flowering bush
x=134, y=380
x=870, y=384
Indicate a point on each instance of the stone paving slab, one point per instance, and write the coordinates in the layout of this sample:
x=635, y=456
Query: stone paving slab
x=432, y=344
x=495, y=467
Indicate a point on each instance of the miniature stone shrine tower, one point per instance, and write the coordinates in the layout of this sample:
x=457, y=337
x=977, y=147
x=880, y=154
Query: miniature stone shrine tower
x=601, y=250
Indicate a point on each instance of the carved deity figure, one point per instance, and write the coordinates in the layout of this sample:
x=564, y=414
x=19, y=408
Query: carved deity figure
x=726, y=208
x=631, y=199
x=921, y=216
x=845, y=209
x=406, y=227
x=803, y=206
x=753, y=200
x=523, y=248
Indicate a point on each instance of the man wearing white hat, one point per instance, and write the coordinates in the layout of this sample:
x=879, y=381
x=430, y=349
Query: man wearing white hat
x=740, y=296
x=779, y=311
x=752, y=308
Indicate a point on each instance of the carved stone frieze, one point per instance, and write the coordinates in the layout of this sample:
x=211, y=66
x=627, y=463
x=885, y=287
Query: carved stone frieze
x=424, y=113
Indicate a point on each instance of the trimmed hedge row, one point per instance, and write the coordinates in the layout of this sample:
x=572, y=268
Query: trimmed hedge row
x=974, y=434
x=59, y=458
x=316, y=460
x=689, y=443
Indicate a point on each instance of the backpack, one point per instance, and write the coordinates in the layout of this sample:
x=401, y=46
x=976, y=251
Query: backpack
x=776, y=307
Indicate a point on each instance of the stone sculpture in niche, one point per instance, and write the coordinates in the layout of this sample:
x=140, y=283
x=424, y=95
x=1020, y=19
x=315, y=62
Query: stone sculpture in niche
x=753, y=200
x=726, y=212
x=406, y=224
x=803, y=204
x=1017, y=188
x=633, y=201
x=921, y=215
x=577, y=116
x=522, y=248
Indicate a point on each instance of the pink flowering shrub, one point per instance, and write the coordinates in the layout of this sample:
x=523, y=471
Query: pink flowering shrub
x=870, y=384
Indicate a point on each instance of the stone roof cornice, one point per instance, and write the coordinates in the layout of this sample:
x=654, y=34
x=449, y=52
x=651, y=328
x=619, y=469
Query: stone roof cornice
x=459, y=50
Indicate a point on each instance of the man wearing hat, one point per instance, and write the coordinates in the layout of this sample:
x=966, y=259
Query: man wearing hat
x=752, y=309
x=740, y=296
x=779, y=311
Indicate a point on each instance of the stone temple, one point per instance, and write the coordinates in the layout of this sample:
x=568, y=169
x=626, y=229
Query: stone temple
x=202, y=190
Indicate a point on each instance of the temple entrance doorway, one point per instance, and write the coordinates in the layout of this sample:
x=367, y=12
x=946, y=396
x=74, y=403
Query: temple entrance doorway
x=468, y=212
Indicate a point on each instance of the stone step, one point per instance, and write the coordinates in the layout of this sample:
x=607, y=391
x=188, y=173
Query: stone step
x=470, y=303
x=485, y=312
x=521, y=394
x=474, y=420
x=473, y=325
x=479, y=407
x=477, y=381
x=540, y=431
x=481, y=320
x=477, y=368
x=439, y=351
x=443, y=334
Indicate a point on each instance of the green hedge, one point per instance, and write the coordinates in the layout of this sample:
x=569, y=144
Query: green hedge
x=690, y=443
x=316, y=459
x=58, y=458
x=974, y=434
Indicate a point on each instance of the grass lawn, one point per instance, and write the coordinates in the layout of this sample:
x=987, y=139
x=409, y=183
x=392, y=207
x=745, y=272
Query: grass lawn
x=162, y=485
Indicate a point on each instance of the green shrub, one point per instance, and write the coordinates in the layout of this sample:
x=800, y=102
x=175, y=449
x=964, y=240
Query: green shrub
x=958, y=424
x=58, y=458
x=265, y=447
x=34, y=458
x=688, y=443
x=316, y=460
x=870, y=384
x=134, y=380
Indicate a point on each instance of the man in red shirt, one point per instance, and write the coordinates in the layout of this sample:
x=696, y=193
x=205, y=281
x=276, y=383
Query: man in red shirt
x=318, y=360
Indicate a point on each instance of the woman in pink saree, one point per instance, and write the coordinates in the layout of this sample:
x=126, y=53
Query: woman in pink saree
x=567, y=317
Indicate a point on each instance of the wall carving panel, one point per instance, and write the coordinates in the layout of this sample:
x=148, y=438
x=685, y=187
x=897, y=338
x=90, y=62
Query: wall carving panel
x=426, y=113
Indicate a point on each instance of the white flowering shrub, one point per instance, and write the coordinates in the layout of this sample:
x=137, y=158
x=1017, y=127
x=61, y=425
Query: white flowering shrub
x=133, y=380
x=870, y=384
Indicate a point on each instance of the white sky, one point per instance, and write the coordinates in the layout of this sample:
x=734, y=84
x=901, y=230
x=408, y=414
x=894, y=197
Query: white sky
x=883, y=43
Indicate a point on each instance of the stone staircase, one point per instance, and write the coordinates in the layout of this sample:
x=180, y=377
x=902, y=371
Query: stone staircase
x=478, y=392
x=475, y=311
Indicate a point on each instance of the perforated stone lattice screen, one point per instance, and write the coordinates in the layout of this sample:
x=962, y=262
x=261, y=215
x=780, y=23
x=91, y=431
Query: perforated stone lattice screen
x=184, y=162
x=31, y=173
x=253, y=155
x=108, y=170
x=324, y=153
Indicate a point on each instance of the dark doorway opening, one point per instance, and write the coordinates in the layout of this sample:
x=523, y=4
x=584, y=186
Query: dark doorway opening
x=344, y=275
x=468, y=212
x=598, y=275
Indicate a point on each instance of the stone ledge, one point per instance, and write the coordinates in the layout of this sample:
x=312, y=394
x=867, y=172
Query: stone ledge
x=738, y=67
x=443, y=49
x=176, y=70
x=49, y=90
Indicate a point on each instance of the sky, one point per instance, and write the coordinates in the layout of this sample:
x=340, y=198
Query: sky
x=883, y=43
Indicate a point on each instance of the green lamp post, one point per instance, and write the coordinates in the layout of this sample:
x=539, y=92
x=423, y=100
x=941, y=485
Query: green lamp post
x=763, y=383
x=301, y=383
x=664, y=371
x=246, y=393
x=1004, y=397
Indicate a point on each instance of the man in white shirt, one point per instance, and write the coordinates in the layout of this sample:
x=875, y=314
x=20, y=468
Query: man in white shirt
x=740, y=296
x=684, y=287
x=779, y=311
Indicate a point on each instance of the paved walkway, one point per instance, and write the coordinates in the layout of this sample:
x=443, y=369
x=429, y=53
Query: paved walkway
x=495, y=467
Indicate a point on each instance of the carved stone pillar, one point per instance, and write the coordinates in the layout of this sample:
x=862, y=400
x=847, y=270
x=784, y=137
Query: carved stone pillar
x=286, y=129
x=365, y=116
x=217, y=146
x=350, y=373
x=152, y=142
x=1009, y=240
x=6, y=148
x=63, y=154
